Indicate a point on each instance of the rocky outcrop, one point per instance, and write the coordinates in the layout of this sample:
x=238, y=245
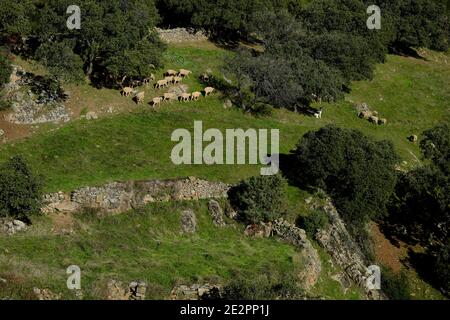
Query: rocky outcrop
x=118, y=197
x=260, y=230
x=297, y=237
x=40, y=104
x=216, y=213
x=177, y=35
x=11, y=227
x=136, y=290
x=45, y=294
x=345, y=252
x=188, y=221
x=196, y=292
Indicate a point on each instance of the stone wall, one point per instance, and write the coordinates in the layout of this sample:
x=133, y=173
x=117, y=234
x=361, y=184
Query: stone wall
x=177, y=35
x=118, y=197
x=297, y=237
x=345, y=252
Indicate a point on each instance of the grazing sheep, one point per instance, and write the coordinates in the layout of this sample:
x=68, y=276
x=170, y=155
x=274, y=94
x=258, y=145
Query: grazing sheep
x=177, y=79
x=373, y=119
x=382, y=121
x=196, y=95
x=185, y=97
x=413, y=138
x=127, y=91
x=170, y=73
x=375, y=113
x=170, y=96
x=160, y=84
x=209, y=90
x=147, y=80
x=184, y=73
x=156, y=101
x=140, y=97
x=169, y=79
x=365, y=114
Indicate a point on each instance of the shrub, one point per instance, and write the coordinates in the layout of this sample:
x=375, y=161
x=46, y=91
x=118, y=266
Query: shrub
x=267, y=286
x=20, y=189
x=5, y=70
x=441, y=268
x=395, y=286
x=314, y=222
x=259, y=198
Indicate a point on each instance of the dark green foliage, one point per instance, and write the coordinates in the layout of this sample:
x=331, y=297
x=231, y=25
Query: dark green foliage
x=395, y=286
x=5, y=69
x=357, y=172
x=313, y=222
x=20, y=189
x=259, y=199
x=441, y=268
x=268, y=286
x=422, y=196
x=61, y=61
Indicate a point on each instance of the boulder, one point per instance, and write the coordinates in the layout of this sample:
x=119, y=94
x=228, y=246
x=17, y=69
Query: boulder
x=11, y=227
x=216, y=213
x=188, y=221
x=137, y=290
x=413, y=138
x=261, y=230
x=45, y=294
x=196, y=292
x=227, y=104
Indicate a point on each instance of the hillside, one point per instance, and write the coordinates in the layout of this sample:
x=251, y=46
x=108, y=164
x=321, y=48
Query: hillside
x=133, y=143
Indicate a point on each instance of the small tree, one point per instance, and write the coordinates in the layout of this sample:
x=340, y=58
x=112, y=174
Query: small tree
x=5, y=70
x=20, y=189
x=313, y=222
x=260, y=198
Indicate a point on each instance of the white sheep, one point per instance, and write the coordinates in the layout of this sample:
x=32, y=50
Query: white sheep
x=160, y=84
x=184, y=73
x=156, y=101
x=170, y=96
x=196, y=95
x=140, y=97
x=185, y=97
x=127, y=91
x=209, y=90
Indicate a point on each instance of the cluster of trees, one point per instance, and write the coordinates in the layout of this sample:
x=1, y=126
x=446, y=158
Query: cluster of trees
x=311, y=49
x=116, y=39
x=20, y=189
x=359, y=174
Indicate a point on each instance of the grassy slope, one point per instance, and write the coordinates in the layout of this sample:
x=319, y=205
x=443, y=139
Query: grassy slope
x=137, y=145
x=128, y=247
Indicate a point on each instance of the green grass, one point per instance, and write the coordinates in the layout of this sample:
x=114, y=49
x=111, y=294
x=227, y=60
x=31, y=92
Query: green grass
x=135, y=144
x=146, y=244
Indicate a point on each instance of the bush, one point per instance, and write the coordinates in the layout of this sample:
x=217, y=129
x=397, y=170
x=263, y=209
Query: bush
x=441, y=268
x=259, y=199
x=5, y=70
x=395, y=286
x=267, y=286
x=20, y=189
x=315, y=221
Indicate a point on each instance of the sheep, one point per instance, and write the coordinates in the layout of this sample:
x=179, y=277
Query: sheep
x=382, y=121
x=170, y=96
x=208, y=91
x=147, y=80
x=177, y=79
x=365, y=114
x=318, y=114
x=373, y=119
x=160, y=84
x=170, y=73
x=156, y=101
x=195, y=96
x=185, y=97
x=169, y=79
x=140, y=97
x=184, y=73
x=127, y=91
x=413, y=138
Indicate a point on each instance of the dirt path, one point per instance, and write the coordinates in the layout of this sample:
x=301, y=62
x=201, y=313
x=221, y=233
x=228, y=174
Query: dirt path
x=13, y=131
x=385, y=252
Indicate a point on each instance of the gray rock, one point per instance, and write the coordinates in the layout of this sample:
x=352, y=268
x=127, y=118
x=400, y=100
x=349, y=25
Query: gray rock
x=216, y=213
x=91, y=116
x=188, y=221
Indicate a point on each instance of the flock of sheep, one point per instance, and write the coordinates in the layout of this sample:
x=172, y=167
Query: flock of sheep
x=170, y=77
x=373, y=117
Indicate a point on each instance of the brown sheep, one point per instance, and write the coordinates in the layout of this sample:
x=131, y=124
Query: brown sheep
x=127, y=91
x=373, y=119
x=170, y=96
x=185, y=97
x=196, y=95
x=170, y=73
x=160, y=84
x=140, y=97
x=156, y=101
x=177, y=79
x=209, y=90
x=184, y=73
x=382, y=121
